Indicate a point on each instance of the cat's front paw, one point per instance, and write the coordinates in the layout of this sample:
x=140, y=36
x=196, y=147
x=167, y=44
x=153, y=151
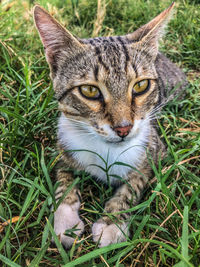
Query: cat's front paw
x=107, y=234
x=66, y=218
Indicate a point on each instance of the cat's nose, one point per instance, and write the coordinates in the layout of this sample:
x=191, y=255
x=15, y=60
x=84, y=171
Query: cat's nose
x=123, y=131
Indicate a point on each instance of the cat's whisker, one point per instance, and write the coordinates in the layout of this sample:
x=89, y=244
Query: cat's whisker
x=160, y=106
x=83, y=130
x=77, y=121
x=154, y=111
x=154, y=114
x=79, y=127
x=77, y=130
x=89, y=135
x=153, y=119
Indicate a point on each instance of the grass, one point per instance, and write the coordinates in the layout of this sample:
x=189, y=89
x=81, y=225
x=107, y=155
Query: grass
x=165, y=226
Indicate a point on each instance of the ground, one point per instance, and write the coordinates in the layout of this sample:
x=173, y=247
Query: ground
x=165, y=226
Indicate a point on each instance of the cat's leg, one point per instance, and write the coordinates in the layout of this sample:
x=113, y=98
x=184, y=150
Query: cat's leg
x=66, y=216
x=107, y=230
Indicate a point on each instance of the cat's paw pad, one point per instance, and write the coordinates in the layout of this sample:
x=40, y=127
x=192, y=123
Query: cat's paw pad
x=66, y=218
x=107, y=234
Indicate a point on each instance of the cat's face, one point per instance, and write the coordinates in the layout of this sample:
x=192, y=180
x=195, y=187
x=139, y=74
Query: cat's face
x=106, y=86
x=107, y=91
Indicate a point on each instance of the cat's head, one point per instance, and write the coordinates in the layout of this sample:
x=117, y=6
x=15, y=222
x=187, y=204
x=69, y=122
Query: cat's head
x=109, y=84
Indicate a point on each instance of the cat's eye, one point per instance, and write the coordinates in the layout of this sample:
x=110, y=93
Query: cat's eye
x=89, y=91
x=141, y=87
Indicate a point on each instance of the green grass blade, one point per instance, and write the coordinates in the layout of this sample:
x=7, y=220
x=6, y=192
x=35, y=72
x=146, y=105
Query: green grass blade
x=95, y=254
x=8, y=262
x=15, y=115
x=58, y=244
x=35, y=262
x=184, y=241
x=45, y=234
x=141, y=226
x=46, y=174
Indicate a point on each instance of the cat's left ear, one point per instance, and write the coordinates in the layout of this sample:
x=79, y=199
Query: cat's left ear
x=146, y=37
x=55, y=38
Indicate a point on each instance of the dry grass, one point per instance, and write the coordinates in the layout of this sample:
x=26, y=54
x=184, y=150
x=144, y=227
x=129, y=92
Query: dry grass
x=101, y=13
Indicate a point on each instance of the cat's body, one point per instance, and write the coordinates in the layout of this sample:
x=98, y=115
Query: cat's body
x=108, y=89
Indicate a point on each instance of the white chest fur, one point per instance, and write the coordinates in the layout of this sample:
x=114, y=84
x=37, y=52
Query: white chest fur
x=128, y=152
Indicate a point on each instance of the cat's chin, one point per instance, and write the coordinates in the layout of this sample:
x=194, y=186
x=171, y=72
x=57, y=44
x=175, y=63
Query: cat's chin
x=118, y=141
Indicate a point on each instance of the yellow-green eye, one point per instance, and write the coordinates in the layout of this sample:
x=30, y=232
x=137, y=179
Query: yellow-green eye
x=90, y=91
x=141, y=86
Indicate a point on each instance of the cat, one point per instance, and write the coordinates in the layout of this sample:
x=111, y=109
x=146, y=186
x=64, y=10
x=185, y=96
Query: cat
x=108, y=90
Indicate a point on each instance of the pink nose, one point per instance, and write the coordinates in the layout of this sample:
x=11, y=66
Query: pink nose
x=123, y=131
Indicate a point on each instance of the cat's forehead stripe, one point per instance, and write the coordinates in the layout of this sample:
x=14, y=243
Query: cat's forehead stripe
x=111, y=39
x=110, y=57
x=98, y=53
x=96, y=71
x=125, y=50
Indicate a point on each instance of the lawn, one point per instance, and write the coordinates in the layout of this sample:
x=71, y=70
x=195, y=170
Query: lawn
x=165, y=226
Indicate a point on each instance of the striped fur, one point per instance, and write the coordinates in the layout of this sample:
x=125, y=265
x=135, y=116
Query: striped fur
x=114, y=65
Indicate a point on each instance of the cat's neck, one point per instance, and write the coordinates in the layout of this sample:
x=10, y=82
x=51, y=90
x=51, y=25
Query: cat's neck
x=128, y=152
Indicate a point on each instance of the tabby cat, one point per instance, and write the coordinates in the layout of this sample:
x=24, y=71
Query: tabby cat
x=108, y=90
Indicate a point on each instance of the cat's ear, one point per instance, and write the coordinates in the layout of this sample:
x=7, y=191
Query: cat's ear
x=54, y=37
x=148, y=35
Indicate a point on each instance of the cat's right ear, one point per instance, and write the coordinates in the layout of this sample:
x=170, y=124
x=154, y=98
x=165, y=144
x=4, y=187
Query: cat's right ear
x=54, y=37
x=147, y=36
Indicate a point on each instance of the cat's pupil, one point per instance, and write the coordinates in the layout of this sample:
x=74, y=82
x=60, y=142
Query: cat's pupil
x=89, y=91
x=92, y=89
x=141, y=86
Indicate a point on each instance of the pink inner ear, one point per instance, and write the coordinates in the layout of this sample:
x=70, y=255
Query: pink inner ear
x=51, y=32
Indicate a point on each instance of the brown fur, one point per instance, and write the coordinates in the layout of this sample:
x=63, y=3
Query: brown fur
x=114, y=65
